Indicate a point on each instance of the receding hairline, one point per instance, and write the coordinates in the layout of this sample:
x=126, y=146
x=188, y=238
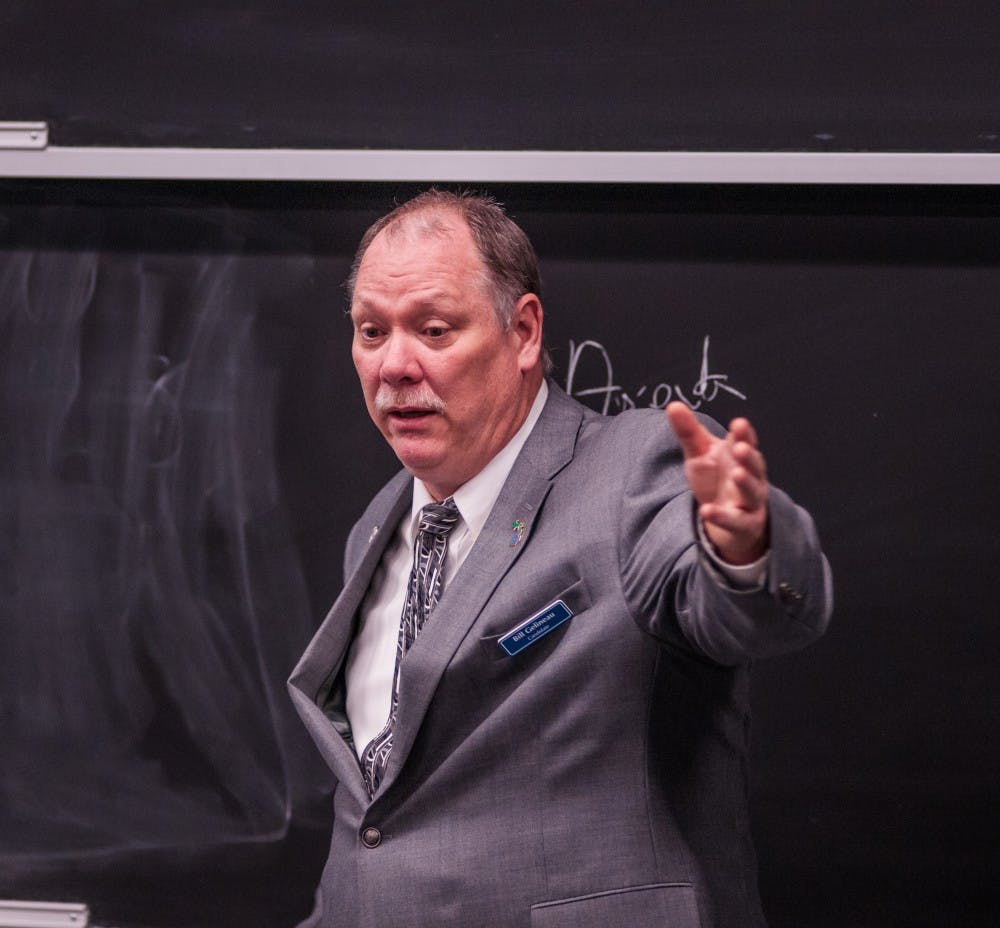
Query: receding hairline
x=485, y=219
x=430, y=221
x=427, y=220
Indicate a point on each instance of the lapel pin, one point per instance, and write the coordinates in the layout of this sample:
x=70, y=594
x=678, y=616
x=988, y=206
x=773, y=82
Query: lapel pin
x=517, y=534
x=371, y=537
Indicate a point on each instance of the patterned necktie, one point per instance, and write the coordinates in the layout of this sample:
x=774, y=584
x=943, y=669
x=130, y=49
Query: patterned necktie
x=422, y=594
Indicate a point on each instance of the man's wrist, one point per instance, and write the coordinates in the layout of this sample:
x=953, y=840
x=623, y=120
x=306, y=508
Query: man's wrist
x=741, y=576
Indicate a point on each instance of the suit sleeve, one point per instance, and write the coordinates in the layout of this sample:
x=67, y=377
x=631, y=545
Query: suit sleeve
x=674, y=593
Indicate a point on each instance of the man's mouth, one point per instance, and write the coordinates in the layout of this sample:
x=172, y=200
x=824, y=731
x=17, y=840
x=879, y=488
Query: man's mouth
x=410, y=412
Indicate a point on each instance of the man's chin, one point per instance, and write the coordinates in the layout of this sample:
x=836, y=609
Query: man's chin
x=413, y=430
x=416, y=456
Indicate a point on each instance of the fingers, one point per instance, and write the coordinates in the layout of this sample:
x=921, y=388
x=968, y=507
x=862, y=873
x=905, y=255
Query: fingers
x=729, y=479
x=746, y=454
x=744, y=486
x=742, y=430
x=736, y=520
x=751, y=489
x=694, y=438
x=733, y=519
x=740, y=537
x=749, y=459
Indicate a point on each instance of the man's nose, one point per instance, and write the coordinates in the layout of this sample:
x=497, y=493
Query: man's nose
x=400, y=363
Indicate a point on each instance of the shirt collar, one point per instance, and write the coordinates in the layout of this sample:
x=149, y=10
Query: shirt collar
x=475, y=497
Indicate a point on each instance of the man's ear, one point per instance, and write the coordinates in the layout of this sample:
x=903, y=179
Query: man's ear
x=526, y=325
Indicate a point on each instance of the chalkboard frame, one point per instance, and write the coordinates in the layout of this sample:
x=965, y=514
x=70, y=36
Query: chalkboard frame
x=492, y=166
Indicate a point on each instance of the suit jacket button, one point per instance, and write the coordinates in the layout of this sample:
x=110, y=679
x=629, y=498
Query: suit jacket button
x=788, y=594
x=371, y=837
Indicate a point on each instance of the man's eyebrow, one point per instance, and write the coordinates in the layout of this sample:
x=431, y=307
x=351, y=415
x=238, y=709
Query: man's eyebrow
x=361, y=304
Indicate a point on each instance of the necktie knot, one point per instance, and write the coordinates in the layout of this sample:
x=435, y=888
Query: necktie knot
x=438, y=518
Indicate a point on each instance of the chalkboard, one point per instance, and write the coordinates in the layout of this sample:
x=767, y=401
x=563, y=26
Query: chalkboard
x=600, y=75
x=184, y=448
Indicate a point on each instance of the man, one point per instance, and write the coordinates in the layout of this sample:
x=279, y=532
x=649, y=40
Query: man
x=564, y=741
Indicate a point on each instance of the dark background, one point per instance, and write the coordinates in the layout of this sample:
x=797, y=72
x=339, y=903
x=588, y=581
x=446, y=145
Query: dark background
x=183, y=446
x=855, y=75
x=185, y=449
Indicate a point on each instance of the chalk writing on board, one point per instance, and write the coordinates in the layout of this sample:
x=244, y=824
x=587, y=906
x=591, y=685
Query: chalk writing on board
x=614, y=398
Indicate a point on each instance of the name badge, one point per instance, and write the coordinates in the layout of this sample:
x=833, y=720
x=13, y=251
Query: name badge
x=539, y=625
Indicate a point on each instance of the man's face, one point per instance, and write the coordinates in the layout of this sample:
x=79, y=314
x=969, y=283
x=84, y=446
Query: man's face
x=443, y=383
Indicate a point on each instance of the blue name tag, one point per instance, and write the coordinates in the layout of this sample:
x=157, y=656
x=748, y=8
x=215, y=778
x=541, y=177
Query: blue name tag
x=540, y=624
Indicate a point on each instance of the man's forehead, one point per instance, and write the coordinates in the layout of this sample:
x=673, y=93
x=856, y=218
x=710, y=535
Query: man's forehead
x=380, y=292
x=441, y=242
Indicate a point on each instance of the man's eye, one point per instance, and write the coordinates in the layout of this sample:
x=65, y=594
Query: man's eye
x=435, y=331
x=368, y=332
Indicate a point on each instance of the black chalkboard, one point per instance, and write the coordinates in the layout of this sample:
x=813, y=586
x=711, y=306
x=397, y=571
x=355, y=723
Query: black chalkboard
x=184, y=449
x=594, y=75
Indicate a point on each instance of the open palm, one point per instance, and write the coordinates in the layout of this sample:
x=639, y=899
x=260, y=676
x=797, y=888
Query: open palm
x=728, y=477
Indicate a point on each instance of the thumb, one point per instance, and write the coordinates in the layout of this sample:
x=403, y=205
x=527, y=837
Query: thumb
x=692, y=435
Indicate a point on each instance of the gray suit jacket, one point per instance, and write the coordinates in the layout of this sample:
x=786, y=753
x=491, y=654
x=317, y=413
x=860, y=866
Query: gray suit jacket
x=597, y=777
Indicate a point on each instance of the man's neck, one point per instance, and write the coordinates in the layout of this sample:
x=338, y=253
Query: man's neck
x=476, y=496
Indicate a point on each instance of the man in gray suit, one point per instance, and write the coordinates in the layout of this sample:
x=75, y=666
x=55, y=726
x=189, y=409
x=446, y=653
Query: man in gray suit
x=564, y=743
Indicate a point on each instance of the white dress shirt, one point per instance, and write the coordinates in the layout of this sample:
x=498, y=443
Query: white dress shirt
x=371, y=661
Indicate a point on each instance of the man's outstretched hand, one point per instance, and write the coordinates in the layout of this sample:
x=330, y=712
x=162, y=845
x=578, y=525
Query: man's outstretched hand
x=729, y=480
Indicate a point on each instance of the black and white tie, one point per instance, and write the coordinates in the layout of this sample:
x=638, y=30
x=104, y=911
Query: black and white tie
x=422, y=594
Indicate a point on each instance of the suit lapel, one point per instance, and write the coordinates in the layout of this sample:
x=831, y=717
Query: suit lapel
x=329, y=646
x=548, y=449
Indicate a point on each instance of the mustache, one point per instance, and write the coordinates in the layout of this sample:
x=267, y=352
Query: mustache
x=422, y=397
